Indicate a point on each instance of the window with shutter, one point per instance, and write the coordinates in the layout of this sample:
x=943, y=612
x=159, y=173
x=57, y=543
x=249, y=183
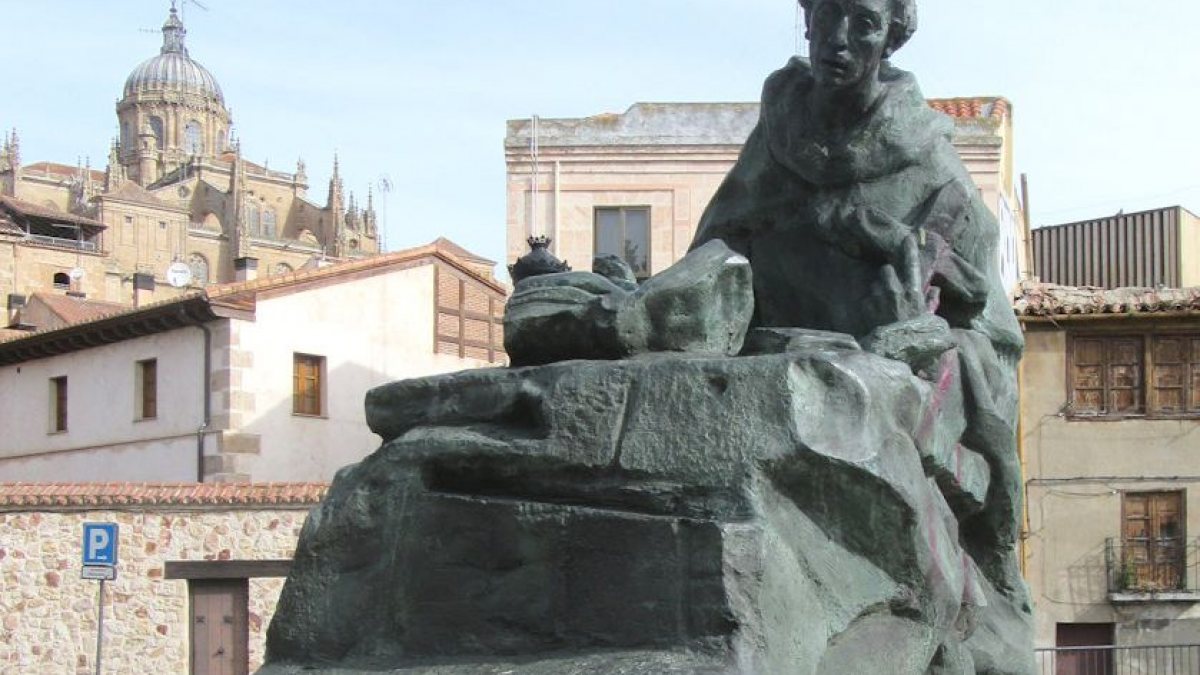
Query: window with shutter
x=1106, y=375
x=1152, y=536
x=307, y=384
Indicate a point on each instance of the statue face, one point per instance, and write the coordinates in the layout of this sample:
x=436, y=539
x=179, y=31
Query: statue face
x=847, y=40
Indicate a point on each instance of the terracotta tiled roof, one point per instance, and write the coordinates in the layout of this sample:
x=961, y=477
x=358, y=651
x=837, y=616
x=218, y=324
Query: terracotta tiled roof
x=229, y=156
x=24, y=496
x=446, y=250
x=456, y=250
x=1051, y=300
x=985, y=107
x=31, y=210
x=7, y=226
x=130, y=191
x=241, y=296
x=74, y=310
x=60, y=170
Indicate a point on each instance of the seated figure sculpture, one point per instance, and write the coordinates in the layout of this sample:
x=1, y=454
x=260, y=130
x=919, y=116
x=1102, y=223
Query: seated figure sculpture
x=791, y=452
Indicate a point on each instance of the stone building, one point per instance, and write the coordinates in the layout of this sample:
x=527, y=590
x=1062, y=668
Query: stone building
x=255, y=380
x=176, y=189
x=1110, y=414
x=199, y=570
x=636, y=183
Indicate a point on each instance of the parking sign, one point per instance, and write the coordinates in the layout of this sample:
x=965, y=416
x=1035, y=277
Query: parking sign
x=100, y=544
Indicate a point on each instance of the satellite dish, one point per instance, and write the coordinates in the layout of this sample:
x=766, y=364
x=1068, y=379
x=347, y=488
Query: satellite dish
x=76, y=273
x=179, y=274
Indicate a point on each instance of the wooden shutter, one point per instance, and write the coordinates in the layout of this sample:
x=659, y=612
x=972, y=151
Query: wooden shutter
x=1152, y=541
x=1124, y=375
x=1106, y=375
x=1087, y=377
x=1176, y=375
x=1194, y=373
x=306, y=384
x=149, y=385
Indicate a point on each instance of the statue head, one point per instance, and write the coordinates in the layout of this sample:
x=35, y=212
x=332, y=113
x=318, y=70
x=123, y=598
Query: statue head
x=848, y=39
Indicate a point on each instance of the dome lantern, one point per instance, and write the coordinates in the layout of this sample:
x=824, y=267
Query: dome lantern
x=173, y=68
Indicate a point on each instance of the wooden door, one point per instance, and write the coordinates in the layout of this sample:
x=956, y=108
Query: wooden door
x=220, y=631
x=1082, y=661
x=1152, y=541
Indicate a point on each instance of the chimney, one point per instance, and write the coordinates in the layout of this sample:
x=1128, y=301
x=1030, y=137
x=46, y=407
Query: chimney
x=143, y=289
x=16, y=302
x=245, y=269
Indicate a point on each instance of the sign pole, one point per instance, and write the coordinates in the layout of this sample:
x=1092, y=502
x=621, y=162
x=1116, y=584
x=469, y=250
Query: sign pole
x=99, y=624
x=100, y=563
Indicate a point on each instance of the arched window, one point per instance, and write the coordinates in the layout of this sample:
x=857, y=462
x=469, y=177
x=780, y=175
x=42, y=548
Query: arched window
x=62, y=280
x=199, y=265
x=269, y=220
x=156, y=128
x=282, y=268
x=253, y=223
x=125, y=139
x=221, y=141
x=193, y=140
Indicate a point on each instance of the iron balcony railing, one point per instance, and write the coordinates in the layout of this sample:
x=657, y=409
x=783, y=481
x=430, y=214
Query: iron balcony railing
x=57, y=242
x=1156, y=660
x=1152, y=565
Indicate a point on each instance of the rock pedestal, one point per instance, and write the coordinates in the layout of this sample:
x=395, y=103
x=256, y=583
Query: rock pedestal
x=793, y=512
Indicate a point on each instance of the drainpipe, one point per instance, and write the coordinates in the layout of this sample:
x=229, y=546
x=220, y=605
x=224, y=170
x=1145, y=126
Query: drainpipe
x=1023, y=536
x=557, y=202
x=207, y=388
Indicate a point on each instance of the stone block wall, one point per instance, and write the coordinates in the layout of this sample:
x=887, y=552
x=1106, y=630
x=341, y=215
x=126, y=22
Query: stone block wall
x=48, y=613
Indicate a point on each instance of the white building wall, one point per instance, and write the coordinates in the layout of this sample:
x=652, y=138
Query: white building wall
x=370, y=331
x=104, y=439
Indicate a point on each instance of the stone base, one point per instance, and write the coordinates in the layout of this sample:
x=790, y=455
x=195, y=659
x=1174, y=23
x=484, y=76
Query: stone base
x=605, y=663
x=781, y=513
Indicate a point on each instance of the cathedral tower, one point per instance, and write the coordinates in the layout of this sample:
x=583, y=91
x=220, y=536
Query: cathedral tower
x=172, y=110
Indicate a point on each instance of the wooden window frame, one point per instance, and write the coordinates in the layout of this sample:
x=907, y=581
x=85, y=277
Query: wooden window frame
x=59, y=404
x=146, y=389
x=1190, y=363
x=304, y=404
x=623, y=209
x=1182, y=516
x=1150, y=406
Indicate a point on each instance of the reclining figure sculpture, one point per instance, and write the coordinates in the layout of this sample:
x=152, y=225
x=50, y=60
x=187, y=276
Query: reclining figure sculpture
x=791, y=452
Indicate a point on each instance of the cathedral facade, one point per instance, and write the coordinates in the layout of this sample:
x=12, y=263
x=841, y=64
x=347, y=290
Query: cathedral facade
x=176, y=193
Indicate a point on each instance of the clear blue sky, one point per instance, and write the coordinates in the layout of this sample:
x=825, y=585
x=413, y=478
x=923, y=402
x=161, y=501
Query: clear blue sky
x=1105, y=92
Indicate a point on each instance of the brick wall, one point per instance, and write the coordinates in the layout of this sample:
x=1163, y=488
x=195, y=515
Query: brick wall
x=469, y=316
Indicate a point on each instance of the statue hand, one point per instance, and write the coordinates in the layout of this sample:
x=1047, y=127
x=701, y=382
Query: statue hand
x=899, y=293
x=915, y=335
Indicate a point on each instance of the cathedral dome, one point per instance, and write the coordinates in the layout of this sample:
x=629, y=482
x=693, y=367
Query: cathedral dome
x=173, y=69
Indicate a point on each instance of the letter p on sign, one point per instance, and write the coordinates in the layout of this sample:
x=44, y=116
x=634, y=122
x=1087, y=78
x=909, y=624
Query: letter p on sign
x=100, y=544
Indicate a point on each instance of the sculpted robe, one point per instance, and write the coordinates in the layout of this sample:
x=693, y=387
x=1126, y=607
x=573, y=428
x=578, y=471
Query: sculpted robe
x=877, y=222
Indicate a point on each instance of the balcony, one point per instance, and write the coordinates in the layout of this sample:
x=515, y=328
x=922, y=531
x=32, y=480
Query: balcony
x=1156, y=660
x=1153, y=569
x=60, y=242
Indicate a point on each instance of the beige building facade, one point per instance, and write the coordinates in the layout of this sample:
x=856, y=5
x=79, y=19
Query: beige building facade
x=1109, y=433
x=636, y=183
x=176, y=190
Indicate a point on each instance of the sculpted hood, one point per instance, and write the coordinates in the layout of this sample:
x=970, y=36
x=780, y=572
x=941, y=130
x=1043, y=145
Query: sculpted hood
x=898, y=130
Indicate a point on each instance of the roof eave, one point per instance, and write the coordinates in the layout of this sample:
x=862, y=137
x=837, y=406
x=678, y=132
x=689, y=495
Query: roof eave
x=117, y=328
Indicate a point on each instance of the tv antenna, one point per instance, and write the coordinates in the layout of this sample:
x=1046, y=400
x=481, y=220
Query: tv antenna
x=183, y=8
x=385, y=186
